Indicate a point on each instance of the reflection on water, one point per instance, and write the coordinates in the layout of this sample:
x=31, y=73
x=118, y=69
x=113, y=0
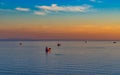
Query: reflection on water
x=72, y=58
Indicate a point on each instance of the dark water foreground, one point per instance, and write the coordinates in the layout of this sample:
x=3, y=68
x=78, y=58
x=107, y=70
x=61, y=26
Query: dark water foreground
x=71, y=58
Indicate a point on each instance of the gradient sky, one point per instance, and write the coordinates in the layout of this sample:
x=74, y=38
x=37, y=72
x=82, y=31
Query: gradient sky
x=60, y=19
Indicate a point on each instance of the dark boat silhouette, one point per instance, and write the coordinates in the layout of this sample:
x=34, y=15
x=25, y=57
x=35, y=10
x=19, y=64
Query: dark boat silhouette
x=85, y=41
x=114, y=42
x=20, y=43
x=58, y=44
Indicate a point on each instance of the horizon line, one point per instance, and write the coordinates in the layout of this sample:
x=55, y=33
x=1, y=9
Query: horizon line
x=53, y=40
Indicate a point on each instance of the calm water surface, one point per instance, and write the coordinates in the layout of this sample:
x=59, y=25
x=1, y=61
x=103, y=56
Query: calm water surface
x=71, y=58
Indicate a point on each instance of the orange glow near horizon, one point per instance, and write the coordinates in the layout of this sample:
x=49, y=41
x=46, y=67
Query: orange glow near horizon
x=88, y=32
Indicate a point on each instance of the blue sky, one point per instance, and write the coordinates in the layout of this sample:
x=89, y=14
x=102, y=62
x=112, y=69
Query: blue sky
x=96, y=4
x=79, y=19
x=58, y=7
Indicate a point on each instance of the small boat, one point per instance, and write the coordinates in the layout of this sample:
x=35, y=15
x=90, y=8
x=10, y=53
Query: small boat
x=85, y=41
x=58, y=44
x=20, y=43
x=114, y=42
x=47, y=49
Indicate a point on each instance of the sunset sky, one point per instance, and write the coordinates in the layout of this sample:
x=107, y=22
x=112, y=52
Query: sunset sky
x=60, y=19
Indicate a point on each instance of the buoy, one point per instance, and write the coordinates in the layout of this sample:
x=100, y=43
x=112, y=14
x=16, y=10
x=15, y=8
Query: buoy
x=48, y=50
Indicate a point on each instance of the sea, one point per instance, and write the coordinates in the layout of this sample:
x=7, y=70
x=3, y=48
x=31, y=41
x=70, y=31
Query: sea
x=70, y=58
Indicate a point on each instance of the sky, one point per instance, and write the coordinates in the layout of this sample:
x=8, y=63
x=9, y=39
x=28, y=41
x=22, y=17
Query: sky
x=60, y=19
